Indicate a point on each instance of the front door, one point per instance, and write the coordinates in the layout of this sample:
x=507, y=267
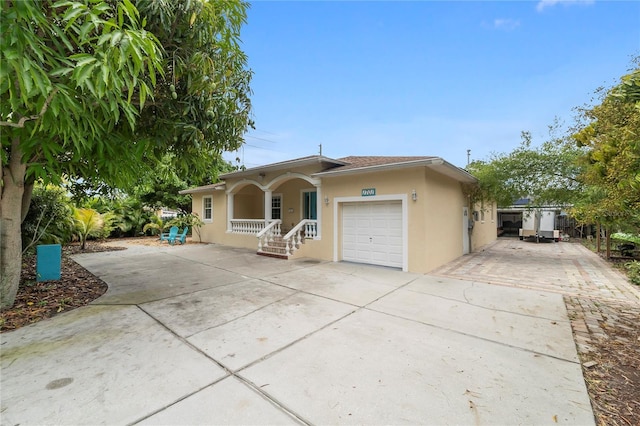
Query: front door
x=309, y=205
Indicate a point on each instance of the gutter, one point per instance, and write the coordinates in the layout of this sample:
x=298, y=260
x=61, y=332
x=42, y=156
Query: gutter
x=221, y=186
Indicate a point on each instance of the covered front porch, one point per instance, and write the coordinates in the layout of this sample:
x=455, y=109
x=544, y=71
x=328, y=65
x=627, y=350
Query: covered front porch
x=282, y=212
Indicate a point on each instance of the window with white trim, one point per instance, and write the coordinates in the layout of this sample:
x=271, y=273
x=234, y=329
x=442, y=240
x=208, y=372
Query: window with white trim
x=276, y=206
x=207, y=209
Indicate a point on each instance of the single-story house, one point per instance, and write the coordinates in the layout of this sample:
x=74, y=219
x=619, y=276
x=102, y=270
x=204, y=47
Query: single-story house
x=404, y=212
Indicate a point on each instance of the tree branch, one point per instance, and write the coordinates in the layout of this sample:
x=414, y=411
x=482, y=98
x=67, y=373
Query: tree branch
x=24, y=119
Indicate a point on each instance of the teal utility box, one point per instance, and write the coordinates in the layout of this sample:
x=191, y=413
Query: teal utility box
x=48, y=262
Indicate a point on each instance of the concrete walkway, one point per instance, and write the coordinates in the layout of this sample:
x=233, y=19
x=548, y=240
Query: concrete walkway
x=206, y=334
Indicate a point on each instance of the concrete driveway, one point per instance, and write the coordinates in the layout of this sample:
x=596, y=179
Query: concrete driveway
x=207, y=334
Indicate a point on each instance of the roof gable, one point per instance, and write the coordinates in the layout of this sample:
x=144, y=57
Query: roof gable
x=370, y=164
x=359, y=162
x=323, y=162
x=347, y=165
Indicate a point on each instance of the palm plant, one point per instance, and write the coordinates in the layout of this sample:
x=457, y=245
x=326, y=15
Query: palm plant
x=156, y=226
x=89, y=223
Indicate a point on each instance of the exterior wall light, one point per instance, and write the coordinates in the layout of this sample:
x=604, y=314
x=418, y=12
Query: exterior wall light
x=326, y=201
x=414, y=195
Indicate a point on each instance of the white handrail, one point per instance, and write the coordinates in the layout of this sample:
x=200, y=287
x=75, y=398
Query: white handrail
x=247, y=226
x=311, y=230
x=268, y=228
x=296, y=228
x=266, y=235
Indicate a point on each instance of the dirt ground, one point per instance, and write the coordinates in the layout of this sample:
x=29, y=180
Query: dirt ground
x=609, y=345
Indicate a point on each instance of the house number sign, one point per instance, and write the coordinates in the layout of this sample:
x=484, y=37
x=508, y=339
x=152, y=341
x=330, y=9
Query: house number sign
x=368, y=192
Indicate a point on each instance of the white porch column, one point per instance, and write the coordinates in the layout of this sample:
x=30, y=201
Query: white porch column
x=319, y=202
x=267, y=207
x=229, y=211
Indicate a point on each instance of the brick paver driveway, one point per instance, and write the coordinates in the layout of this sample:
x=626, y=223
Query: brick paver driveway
x=596, y=295
x=566, y=268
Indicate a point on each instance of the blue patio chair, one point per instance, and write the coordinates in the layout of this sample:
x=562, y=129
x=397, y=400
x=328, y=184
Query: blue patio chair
x=181, y=238
x=169, y=236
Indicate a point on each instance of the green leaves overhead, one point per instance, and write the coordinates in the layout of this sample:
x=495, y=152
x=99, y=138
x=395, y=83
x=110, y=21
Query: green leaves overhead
x=120, y=84
x=202, y=106
x=71, y=73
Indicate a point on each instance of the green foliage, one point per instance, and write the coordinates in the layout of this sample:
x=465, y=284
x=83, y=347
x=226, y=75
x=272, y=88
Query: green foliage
x=109, y=226
x=123, y=216
x=620, y=236
x=629, y=88
x=547, y=174
x=129, y=217
x=74, y=77
x=83, y=74
x=74, y=84
x=156, y=226
x=201, y=105
x=160, y=187
x=633, y=271
x=50, y=218
x=89, y=223
x=610, y=135
x=191, y=220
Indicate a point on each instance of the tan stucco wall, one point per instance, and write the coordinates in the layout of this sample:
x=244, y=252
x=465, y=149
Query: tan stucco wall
x=292, y=209
x=248, y=203
x=443, y=207
x=435, y=227
x=484, y=230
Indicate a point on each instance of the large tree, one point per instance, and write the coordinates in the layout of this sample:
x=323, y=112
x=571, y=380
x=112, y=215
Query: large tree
x=547, y=174
x=100, y=91
x=610, y=132
x=69, y=72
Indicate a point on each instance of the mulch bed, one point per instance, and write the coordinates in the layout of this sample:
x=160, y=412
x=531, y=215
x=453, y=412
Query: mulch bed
x=40, y=300
x=610, y=358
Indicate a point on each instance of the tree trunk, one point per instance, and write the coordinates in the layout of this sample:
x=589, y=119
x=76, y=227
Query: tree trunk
x=11, y=195
x=26, y=199
x=608, y=239
x=598, y=239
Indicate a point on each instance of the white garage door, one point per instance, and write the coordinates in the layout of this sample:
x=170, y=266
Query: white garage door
x=372, y=233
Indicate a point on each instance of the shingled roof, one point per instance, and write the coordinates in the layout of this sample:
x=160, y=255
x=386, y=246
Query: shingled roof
x=348, y=165
x=357, y=162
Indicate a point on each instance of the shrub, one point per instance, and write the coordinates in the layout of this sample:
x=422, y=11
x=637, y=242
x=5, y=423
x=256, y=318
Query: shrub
x=628, y=238
x=155, y=226
x=633, y=271
x=50, y=218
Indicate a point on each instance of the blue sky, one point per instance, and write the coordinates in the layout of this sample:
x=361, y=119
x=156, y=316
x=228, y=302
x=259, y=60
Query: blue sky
x=425, y=77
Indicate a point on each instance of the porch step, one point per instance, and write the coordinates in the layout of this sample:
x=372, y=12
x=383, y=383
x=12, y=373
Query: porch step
x=274, y=255
x=276, y=248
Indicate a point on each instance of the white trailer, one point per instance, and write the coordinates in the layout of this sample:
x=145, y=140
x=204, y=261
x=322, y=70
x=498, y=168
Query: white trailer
x=539, y=224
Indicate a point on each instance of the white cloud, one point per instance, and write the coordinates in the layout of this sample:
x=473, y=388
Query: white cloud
x=506, y=24
x=543, y=4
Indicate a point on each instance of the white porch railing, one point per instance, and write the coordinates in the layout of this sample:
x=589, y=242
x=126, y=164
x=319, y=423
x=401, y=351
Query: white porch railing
x=305, y=229
x=266, y=235
x=247, y=226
